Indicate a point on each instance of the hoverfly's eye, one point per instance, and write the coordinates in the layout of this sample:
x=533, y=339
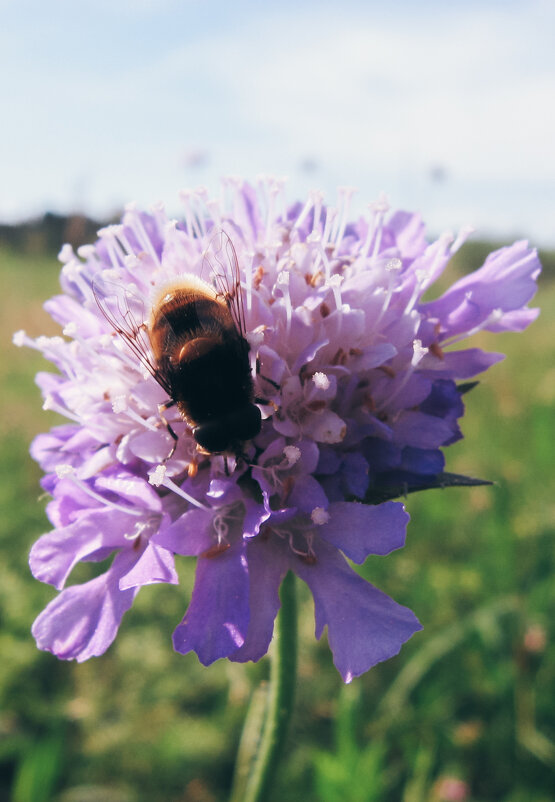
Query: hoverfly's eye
x=212, y=437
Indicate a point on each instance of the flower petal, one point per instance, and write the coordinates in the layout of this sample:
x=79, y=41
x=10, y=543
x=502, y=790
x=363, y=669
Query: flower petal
x=216, y=622
x=268, y=564
x=361, y=529
x=154, y=565
x=55, y=554
x=83, y=620
x=364, y=625
x=189, y=534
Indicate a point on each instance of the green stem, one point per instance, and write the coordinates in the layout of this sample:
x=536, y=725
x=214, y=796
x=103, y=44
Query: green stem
x=279, y=705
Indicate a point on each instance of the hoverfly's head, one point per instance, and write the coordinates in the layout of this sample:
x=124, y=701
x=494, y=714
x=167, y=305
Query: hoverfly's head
x=217, y=436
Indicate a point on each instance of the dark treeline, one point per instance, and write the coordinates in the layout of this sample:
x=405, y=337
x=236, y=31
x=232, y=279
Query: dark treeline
x=48, y=233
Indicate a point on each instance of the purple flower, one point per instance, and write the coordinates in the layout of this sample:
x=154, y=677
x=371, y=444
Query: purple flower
x=358, y=380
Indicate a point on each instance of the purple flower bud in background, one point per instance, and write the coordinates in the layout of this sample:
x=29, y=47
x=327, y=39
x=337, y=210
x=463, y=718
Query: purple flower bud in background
x=355, y=379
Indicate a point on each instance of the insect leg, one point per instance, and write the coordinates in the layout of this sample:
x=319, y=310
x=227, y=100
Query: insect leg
x=161, y=409
x=274, y=384
x=266, y=402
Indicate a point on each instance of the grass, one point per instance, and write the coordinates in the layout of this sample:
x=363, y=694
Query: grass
x=470, y=697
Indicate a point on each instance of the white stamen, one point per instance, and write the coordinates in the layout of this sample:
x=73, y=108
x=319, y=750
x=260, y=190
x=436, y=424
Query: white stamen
x=158, y=477
x=391, y=267
x=64, y=470
x=20, y=338
x=107, y=234
x=137, y=531
x=87, y=252
x=304, y=212
x=420, y=276
x=72, y=272
x=125, y=244
x=344, y=203
x=334, y=283
x=131, y=261
x=193, y=228
x=461, y=238
x=66, y=253
x=132, y=218
x=52, y=406
x=321, y=381
x=374, y=235
x=318, y=199
x=319, y=516
x=255, y=338
x=419, y=352
x=331, y=217
x=292, y=455
x=283, y=283
x=494, y=317
x=119, y=404
x=442, y=244
x=70, y=330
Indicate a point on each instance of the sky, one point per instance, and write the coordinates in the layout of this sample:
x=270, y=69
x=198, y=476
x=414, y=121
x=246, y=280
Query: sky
x=448, y=108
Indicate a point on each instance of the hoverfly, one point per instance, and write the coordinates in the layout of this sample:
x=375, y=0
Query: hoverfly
x=194, y=345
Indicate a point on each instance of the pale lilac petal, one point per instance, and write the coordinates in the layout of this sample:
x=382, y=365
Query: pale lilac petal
x=54, y=555
x=154, y=565
x=517, y=320
x=134, y=489
x=506, y=282
x=217, y=619
x=83, y=620
x=463, y=364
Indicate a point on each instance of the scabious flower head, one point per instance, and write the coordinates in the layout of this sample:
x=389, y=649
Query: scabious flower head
x=359, y=377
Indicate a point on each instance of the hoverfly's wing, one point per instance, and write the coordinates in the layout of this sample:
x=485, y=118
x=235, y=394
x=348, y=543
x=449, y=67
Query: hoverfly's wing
x=126, y=313
x=220, y=268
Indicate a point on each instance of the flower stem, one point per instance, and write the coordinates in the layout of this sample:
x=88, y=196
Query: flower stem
x=279, y=704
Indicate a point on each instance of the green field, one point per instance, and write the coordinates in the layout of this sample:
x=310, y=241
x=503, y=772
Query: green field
x=471, y=697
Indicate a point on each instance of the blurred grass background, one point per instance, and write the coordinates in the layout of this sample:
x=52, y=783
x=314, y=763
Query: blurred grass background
x=466, y=711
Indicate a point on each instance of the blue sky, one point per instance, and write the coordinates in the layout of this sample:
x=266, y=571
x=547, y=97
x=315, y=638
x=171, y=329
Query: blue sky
x=448, y=108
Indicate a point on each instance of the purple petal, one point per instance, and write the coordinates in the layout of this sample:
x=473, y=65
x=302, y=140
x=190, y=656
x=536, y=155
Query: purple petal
x=191, y=534
x=83, y=620
x=420, y=430
x=268, y=564
x=517, y=320
x=364, y=625
x=154, y=565
x=459, y=364
x=216, y=622
x=361, y=529
x=307, y=494
x=55, y=554
x=506, y=281
x=133, y=489
x=354, y=474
